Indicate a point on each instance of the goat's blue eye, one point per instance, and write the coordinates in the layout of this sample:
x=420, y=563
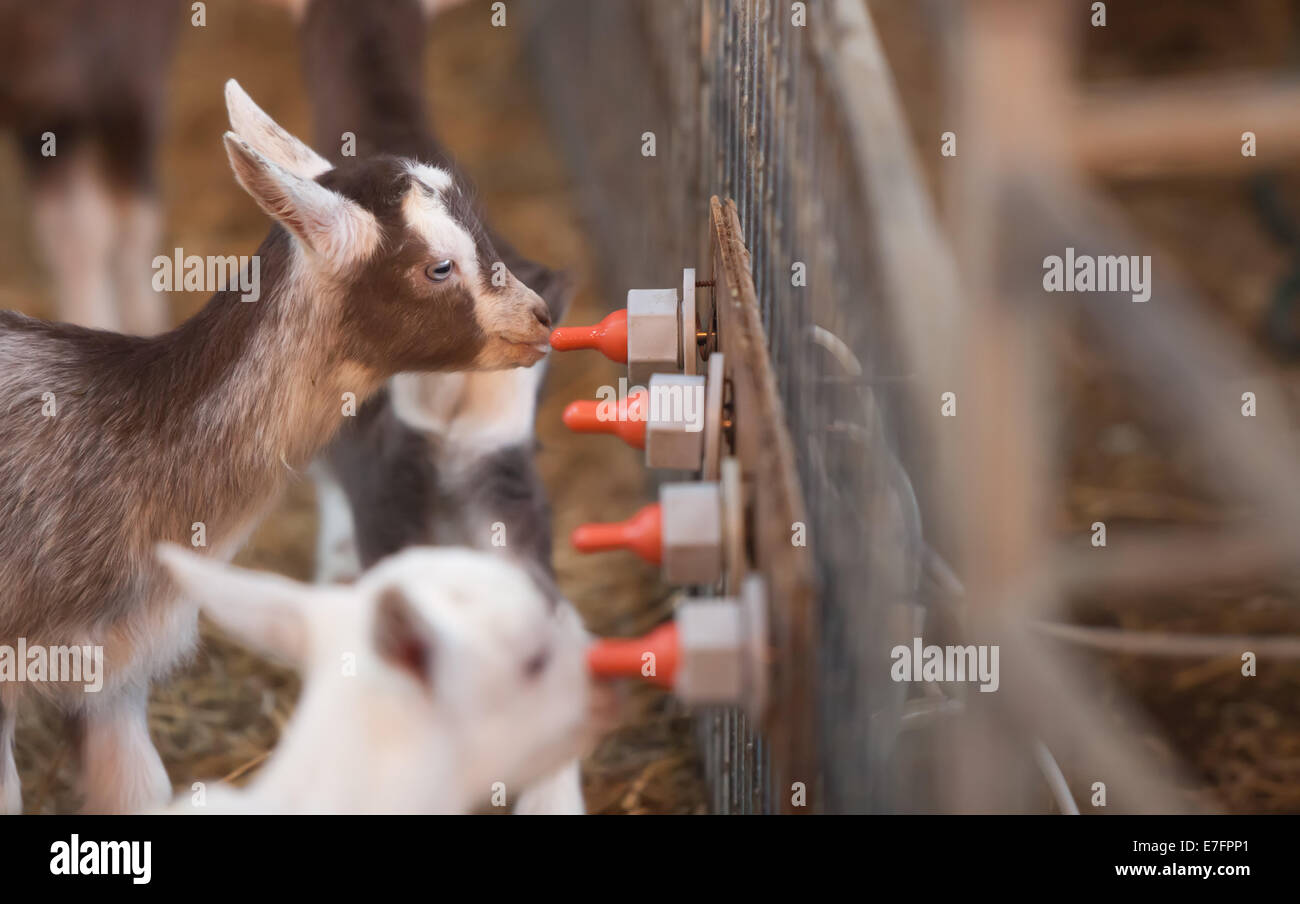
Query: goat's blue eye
x=440, y=271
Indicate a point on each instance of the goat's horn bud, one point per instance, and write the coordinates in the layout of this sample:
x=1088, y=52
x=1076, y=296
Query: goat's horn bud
x=609, y=337
x=642, y=534
x=625, y=657
x=628, y=423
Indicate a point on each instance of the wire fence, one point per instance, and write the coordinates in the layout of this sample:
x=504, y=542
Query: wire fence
x=871, y=320
x=737, y=99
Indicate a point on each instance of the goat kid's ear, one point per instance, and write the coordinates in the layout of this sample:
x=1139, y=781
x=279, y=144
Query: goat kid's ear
x=327, y=223
x=268, y=138
x=403, y=638
x=265, y=611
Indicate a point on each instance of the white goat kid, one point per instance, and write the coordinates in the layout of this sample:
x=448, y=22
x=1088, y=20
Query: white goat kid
x=439, y=674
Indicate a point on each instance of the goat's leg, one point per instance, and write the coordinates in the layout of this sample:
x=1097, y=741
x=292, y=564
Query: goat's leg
x=120, y=768
x=129, y=139
x=337, y=558
x=559, y=794
x=74, y=223
x=143, y=311
x=11, y=797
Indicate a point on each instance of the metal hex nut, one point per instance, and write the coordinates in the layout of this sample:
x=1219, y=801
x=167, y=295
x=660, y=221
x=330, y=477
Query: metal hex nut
x=722, y=646
x=711, y=647
x=652, y=334
x=674, y=432
x=691, y=532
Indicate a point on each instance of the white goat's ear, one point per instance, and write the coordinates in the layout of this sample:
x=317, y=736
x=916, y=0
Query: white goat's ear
x=402, y=636
x=265, y=611
x=268, y=138
x=327, y=223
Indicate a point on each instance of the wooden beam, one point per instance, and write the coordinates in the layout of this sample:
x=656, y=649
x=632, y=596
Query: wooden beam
x=1191, y=125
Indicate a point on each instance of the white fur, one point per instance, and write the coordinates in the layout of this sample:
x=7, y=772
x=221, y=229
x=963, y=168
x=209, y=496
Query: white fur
x=75, y=222
x=475, y=413
x=271, y=140
x=11, y=798
x=122, y=771
x=434, y=177
x=557, y=795
x=339, y=232
x=143, y=311
x=426, y=214
x=377, y=738
x=337, y=558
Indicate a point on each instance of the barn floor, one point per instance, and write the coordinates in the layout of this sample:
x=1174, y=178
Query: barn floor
x=219, y=716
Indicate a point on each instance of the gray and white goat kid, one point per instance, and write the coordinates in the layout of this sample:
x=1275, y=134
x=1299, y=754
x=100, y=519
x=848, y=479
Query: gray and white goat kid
x=445, y=458
x=113, y=443
x=440, y=679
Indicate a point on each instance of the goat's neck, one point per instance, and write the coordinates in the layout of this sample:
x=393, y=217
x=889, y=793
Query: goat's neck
x=473, y=414
x=263, y=380
x=332, y=765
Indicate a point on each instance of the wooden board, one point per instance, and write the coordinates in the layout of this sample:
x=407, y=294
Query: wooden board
x=774, y=504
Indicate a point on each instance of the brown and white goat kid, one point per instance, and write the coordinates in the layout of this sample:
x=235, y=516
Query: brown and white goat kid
x=440, y=679
x=110, y=443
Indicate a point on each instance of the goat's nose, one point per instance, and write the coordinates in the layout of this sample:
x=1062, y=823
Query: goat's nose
x=543, y=314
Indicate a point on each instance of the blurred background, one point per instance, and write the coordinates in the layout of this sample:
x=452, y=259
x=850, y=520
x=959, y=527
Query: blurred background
x=1219, y=225
x=547, y=115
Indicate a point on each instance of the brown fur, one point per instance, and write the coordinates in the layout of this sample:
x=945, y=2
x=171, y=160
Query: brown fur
x=90, y=74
